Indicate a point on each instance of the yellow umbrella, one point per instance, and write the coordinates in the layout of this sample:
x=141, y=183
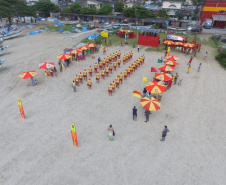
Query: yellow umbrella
x=150, y=103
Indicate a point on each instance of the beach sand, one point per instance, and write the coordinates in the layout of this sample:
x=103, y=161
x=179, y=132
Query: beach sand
x=38, y=150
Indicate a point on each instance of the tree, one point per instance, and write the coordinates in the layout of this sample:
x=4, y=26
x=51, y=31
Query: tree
x=105, y=10
x=12, y=8
x=46, y=7
x=196, y=2
x=86, y=10
x=119, y=6
x=162, y=13
x=75, y=7
x=138, y=12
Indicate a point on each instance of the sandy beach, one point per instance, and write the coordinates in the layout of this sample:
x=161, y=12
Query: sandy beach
x=38, y=150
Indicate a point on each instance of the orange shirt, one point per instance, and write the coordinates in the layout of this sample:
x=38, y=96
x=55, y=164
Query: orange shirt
x=120, y=76
x=115, y=63
x=89, y=82
x=119, y=53
x=119, y=60
x=134, y=64
x=107, y=69
x=131, y=68
x=113, y=85
x=95, y=65
x=110, y=66
x=100, y=63
x=110, y=57
x=104, y=62
x=117, y=80
x=110, y=87
x=103, y=72
x=128, y=69
x=84, y=73
x=80, y=76
x=76, y=79
x=125, y=73
x=90, y=69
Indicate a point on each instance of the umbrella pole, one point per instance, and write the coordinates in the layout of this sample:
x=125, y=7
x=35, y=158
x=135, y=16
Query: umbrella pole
x=46, y=82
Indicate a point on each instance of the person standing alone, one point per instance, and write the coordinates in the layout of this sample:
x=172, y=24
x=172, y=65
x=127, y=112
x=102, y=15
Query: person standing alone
x=134, y=113
x=164, y=133
x=138, y=48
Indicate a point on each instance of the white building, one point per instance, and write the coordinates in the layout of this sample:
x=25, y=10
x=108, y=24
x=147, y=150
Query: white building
x=171, y=7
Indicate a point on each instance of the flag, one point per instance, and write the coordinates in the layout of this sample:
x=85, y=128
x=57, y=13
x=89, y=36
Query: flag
x=47, y=74
x=104, y=34
x=159, y=61
x=153, y=69
x=137, y=94
x=145, y=79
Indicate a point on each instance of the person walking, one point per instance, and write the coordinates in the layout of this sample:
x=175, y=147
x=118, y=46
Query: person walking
x=190, y=60
x=147, y=113
x=144, y=93
x=189, y=68
x=134, y=113
x=55, y=71
x=73, y=85
x=164, y=133
x=138, y=48
x=111, y=132
x=200, y=65
x=205, y=55
x=175, y=79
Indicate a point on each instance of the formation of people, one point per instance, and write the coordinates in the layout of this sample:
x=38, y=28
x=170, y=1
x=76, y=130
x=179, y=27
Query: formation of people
x=129, y=71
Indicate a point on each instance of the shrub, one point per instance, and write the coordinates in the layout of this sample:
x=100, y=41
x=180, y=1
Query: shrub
x=221, y=58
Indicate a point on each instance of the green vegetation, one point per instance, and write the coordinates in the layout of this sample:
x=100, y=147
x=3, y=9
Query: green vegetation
x=45, y=7
x=162, y=13
x=119, y=6
x=12, y=8
x=212, y=43
x=105, y=10
x=221, y=58
x=138, y=12
x=65, y=27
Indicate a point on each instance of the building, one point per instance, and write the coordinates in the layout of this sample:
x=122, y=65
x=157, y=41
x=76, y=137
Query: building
x=153, y=7
x=94, y=4
x=172, y=8
x=31, y=2
x=215, y=10
x=131, y=4
x=187, y=12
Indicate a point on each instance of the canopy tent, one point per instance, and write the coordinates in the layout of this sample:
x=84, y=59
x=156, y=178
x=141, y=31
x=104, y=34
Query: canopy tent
x=149, y=30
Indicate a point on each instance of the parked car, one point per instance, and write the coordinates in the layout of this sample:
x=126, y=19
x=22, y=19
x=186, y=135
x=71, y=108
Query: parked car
x=117, y=26
x=196, y=29
x=207, y=23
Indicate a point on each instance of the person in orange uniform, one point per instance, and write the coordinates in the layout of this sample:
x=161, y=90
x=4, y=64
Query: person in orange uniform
x=116, y=55
x=107, y=60
x=115, y=65
x=119, y=62
x=113, y=86
x=80, y=77
x=120, y=77
x=127, y=57
x=131, y=69
x=77, y=80
x=89, y=83
x=125, y=74
x=97, y=77
x=107, y=70
x=90, y=71
x=100, y=65
x=117, y=81
x=110, y=58
x=85, y=74
x=103, y=73
x=111, y=67
x=139, y=62
x=128, y=71
x=119, y=54
x=95, y=67
x=134, y=66
x=104, y=62
x=110, y=90
x=113, y=57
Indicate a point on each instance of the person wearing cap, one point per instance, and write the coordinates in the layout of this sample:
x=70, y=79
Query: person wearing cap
x=125, y=74
x=164, y=133
x=131, y=69
x=113, y=57
x=110, y=58
x=119, y=62
x=116, y=55
x=110, y=90
x=95, y=67
x=110, y=67
x=77, y=80
x=89, y=83
x=119, y=54
x=107, y=60
x=117, y=81
x=128, y=71
x=107, y=70
x=104, y=62
x=80, y=77
x=103, y=73
x=126, y=57
x=115, y=65
x=90, y=71
x=113, y=86
x=97, y=77
x=85, y=74
x=74, y=86
x=120, y=77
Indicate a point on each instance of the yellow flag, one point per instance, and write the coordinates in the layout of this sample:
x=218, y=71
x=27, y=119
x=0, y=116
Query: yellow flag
x=145, y=79
x=104, y=34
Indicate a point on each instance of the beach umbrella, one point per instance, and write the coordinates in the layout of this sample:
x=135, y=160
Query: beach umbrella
x=188, y=45
x=166, y=68
x=155, y=87
x=64, y=56
x=150, y=103
x=76, y=51
x=67, y=49
x=91, y=45
x=129, y=31
x=46, y=65
x=178, y=43
x=84, y=47
x=168, y=42
x=172, y=63
x=28, y=74
x=163, y=76
x=173, y=58
x=122, y=30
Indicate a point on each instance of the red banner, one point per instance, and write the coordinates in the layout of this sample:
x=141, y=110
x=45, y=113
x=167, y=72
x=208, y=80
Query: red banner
x=148, y=41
